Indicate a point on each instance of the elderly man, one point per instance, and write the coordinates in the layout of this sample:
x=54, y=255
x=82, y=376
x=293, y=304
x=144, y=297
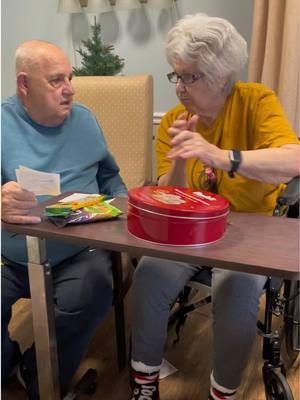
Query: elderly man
x=42, y=129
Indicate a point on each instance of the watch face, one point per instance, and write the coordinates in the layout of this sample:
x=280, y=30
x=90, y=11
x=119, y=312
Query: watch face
x=235, y=156
x=235, y=159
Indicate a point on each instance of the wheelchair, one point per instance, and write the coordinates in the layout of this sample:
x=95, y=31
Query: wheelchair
x=282, y=300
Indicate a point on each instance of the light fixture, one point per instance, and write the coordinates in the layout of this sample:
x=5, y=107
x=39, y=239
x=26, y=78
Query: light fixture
x=159, y=3
x=95, y=6
x=127, y=4
x=98, y=6
x=69, y=6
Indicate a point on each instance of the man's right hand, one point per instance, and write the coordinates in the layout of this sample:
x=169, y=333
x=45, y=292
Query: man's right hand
x=16, y=204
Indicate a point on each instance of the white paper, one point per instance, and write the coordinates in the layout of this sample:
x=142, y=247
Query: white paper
x=79, y=196
x=166, y=369
x=38, y=182
x=76, y=197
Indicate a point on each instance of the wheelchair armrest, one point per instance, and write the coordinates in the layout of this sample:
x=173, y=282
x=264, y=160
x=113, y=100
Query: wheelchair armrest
x=273, y=284
x=203, y=276
x=291, y=194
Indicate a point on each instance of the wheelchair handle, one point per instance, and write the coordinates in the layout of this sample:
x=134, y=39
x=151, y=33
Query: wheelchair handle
x=291, y=194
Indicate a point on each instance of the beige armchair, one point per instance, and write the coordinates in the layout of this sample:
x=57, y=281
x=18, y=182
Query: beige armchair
x=124, y=109
x=123, y=106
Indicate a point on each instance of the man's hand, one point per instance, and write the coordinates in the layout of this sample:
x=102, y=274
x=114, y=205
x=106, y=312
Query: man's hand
x=16, y=204
x=188, y=143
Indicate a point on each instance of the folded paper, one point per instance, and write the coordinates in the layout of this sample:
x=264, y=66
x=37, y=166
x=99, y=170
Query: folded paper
x=38, y=182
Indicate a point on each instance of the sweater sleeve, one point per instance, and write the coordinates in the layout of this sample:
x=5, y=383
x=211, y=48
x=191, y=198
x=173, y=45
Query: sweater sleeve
x=109, y=179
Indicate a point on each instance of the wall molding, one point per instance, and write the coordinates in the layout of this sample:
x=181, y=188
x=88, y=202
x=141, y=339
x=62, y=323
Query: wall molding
x=157, y=116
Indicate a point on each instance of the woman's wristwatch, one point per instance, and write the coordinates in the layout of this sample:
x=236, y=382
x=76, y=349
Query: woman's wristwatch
x=235, y=158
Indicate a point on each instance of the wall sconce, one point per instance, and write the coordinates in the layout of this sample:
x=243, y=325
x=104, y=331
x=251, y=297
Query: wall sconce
x=127, y=4
x=94, y=6
x=69, y=6
x=160, y=3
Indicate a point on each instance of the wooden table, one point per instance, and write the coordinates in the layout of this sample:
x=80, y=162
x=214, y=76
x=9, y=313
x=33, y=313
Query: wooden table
x=252, y=243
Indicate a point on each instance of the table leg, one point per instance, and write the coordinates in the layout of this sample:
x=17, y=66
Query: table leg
x=43, y=318
x=119, y=308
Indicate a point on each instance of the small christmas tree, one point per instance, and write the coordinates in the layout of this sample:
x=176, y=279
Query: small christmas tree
x=98, y=58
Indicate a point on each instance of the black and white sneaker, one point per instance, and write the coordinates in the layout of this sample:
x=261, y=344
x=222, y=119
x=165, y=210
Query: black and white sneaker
x=20, y=377
x=27, y=374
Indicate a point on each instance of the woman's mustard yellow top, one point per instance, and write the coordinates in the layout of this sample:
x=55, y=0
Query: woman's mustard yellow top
x=252, y=119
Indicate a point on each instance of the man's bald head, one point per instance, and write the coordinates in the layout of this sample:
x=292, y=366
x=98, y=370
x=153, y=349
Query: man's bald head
x=31, y=54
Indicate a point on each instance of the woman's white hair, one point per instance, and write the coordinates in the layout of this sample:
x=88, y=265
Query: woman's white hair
x=212, y=43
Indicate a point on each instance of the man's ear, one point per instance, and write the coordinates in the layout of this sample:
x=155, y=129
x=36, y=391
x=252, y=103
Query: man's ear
x=22, y=83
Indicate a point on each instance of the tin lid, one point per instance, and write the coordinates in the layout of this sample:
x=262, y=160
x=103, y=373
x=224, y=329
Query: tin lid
x=178, y=201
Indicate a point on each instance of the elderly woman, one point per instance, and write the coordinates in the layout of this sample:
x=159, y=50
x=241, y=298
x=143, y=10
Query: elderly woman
x=226, y=136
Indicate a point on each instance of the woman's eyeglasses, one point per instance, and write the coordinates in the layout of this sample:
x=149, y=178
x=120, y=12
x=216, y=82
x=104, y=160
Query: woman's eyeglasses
x=185, y=78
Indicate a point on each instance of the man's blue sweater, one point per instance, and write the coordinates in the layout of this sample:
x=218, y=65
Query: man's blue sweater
x=76, y=150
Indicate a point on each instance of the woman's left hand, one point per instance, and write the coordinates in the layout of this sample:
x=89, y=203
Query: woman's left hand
x=190, y=144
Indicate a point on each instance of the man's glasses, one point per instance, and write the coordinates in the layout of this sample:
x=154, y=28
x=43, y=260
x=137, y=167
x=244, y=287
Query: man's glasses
x=185, y=78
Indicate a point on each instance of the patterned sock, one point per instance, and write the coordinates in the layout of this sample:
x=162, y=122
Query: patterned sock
x=218, y=392
x=144, y=383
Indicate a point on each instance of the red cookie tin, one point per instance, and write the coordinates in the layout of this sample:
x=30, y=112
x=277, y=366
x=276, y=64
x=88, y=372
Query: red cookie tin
x=176, y=216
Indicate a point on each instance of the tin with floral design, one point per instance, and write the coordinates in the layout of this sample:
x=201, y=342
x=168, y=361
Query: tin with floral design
x=176, y=216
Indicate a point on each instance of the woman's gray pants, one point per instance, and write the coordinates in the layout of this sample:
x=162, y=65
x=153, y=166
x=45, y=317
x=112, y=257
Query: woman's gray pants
x=235, y=301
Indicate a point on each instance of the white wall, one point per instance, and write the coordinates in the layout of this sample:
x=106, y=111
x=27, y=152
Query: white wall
x=137, y=35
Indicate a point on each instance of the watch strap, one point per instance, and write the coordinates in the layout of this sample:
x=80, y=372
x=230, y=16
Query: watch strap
x=235, y=158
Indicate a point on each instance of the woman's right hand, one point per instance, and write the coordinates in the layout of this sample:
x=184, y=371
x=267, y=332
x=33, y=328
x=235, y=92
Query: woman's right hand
x=176, y=176
x=180, y=124
x=17, y=204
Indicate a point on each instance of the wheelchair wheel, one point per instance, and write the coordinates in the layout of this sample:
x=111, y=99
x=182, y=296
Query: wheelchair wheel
x=291, y=328
x=91, y=389
x=276, y=386
x=292, y=339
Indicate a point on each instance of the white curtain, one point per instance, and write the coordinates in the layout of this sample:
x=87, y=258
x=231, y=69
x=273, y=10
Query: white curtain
x=275, y=52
